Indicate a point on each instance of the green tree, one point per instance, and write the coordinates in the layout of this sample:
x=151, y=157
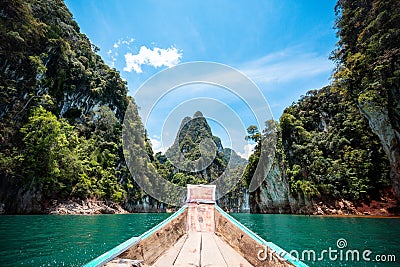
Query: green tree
x=368, y=69
x=328, y=150
x=51, y=158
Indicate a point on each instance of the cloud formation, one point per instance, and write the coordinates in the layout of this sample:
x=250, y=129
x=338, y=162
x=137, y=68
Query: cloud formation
x=156, y=145
x=248, y=150
x=121, y=44
x=156, y=57
x=124, y=42
x=287, y=65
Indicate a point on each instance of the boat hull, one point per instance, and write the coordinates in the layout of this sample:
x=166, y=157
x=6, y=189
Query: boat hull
x=198, y=234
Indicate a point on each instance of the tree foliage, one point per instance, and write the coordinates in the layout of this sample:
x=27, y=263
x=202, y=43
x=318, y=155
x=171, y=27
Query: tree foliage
x=325, y=149
x=188, y=152
x=368, y=68
x=329, y=150
x=61, y=108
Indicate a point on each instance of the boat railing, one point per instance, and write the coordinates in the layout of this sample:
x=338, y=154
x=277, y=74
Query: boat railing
x=114, y=252
x=278, y=251
x=200, y=215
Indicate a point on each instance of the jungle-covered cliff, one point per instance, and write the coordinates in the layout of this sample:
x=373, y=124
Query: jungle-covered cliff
x=198, y=157
x=368, y=69
x=326, y=156
x=61, y=109
x=338, y=148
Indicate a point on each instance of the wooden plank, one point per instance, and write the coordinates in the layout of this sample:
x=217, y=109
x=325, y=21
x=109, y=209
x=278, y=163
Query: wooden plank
x=112, y=253
x=201, y=193
x=210, y=252
x=231, y=257
x=169, y=257
x=158, y=239
x=190, y=252
x=246, y=242
x=123, y=263
x=201, y=218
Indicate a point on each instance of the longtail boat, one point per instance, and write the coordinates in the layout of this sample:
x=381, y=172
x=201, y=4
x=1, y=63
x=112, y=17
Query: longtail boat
x=199, y=234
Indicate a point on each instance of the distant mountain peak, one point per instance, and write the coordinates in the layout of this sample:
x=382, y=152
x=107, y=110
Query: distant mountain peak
x=198, y=114
x=194, y=130
x=193, y=133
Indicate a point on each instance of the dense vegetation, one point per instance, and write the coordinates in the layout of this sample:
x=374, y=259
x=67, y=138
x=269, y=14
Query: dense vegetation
x=193, y=160
x=368, y=70
x=187, y=162
x=329, y=150
x=61, y=109
x=332, y=142
x=326, y=150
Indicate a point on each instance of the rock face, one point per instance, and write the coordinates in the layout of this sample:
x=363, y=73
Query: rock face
x=19, y=200
x=84, y=207
x=239, y=203
x=198, y=157
x=273, y=195
x=146, y=204
x=368, y=69
x=387, y=128
x=46, y=62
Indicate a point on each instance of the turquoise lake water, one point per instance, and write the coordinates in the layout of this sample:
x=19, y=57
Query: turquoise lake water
x=74, y=240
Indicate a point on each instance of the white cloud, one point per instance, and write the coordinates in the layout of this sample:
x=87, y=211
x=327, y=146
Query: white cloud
x=288, y=73
x=287, y=65
x=248, y=150
x=156, y=57
x=122, y=41
x=120, y=44
x=156, y=145
x=127, y=42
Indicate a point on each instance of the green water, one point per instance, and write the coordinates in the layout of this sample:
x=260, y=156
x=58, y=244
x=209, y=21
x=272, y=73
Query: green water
x=74, y=240
x=295, y=232
x=66, y=240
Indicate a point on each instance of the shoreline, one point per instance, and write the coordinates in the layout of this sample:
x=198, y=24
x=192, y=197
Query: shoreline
x=65, y=209
x=83, y=207
x=109, y=212
x=392, y=216
x=389, y=216
x=340, y=209
x=293, y=214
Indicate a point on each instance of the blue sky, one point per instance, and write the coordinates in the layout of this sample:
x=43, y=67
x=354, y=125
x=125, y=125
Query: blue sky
x=283, y=46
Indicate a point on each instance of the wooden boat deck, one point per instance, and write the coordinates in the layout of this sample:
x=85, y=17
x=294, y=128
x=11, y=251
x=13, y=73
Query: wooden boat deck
x=201, y=249
x=198, y=234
